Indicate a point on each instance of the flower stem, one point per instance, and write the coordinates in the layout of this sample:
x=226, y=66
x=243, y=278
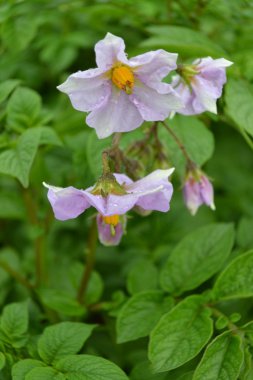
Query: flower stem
x=190, y=163
x=90, y=261
x=22, y=280
x=105, y=162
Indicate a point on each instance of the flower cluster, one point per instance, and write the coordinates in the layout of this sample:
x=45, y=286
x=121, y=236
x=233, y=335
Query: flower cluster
x=119, y=95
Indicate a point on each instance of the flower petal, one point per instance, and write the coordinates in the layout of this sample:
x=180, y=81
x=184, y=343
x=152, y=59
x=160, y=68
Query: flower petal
x=210, y=63
x=118, y=114
x=153, y=66
x=67, y=203
x=206, y=94
x=192, y=196
x=122, y=179
x=155, y=191
x=105, y=235
x=120, y=204
x=109, y=51
x=152, y=105
x=86, y=89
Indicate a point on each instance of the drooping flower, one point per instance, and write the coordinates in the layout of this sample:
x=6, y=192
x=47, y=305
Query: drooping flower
x=200, y=84
x=112, y=197
x=121, y=93
x=197, y=190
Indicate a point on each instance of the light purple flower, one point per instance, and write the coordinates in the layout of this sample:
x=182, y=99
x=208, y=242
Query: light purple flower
x=110, y=235
x=200, y=85
x=121, y=93
x=152, y=192
x=198, y=190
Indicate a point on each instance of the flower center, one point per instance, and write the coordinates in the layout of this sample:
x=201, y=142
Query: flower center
x=123, y=78
x=113, y=220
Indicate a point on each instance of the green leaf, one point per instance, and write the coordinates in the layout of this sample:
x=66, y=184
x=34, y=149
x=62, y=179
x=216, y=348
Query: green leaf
x=236, y=281
x=244, y=235
x=2, y=360
x=45, y=373
x=195, y=136
x=197, y=257
x=61, y=302
x=239, y=99
x=185, y=41
x=7, y=87
x=17, y=162
x=180, y=334
x=49, y=136
x=17, y=32
x=23, y=367
x=89, y=367
x=14, y=320
x=24, y=108
x=143, y=276
x=11, y=205
x=222, y=359
x=143, y=371
x=65, y=338
x=140, y=314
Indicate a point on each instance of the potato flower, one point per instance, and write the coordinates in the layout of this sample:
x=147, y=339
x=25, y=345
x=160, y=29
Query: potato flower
x=121, y=93
x=200, y=84
x=113, y=196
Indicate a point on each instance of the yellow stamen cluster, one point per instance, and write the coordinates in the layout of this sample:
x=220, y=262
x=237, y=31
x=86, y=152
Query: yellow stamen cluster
x=123, y=78
x=113, y=220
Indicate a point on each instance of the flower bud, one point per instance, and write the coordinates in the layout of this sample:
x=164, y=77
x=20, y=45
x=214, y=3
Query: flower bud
x=197, y=190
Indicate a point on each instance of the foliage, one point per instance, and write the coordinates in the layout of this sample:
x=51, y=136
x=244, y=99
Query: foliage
x=173, y=300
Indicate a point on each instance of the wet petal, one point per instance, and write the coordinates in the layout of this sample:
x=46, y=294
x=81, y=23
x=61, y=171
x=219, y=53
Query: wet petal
x=152, y=105
x=155, y=190
x=109, y=51
x=153, y=66
x=87, y=89
x=67, y=203
x=116, y=115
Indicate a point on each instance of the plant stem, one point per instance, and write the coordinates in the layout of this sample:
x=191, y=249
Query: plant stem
x=22, y=280
x=39, y=241
x=90, y=261
x=217, y=313
x=190, y=163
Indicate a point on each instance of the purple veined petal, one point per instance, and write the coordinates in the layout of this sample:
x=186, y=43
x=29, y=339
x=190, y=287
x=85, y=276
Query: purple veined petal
x=205, y=93
x=109, y=51
x=154, y=190
x=206, y=192
x=151, y=182
x=152, y=67
x=105, y=235
x=116, y=115
x=152, y=105
x=87, y=89
x=67, y=203
x=120, y=204
x=158, y=201
x=97, y=201
x=192, y=196
x=122, y=179
x=210, y=63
